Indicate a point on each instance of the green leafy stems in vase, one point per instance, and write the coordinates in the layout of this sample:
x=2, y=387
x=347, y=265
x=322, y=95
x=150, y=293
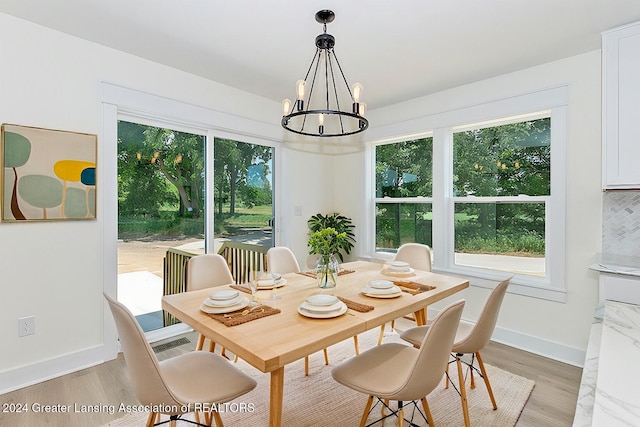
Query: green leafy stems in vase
x=326, y=243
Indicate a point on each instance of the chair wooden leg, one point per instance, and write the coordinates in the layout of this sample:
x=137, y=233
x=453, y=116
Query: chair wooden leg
x=306, y=366
x=172, y=423
x=216, y=416
x=381, y=336
x=151, y=420
x=196, y=416
x=446, y=376
x=486, y=380
x=400, y=415
x=367, y=408
x=326, y=356
x=472, y=386
x=208, y=419
x=212, y=346
x=427, y=411
x=200, y=343
x=383, y=410
x=356, y=345
x=463, y=393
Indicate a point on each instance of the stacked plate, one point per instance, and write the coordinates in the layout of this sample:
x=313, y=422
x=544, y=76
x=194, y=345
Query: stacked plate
x=224, y=301
x=267, y=283
x=381, y=289
x=398, y=268
x=322, y=306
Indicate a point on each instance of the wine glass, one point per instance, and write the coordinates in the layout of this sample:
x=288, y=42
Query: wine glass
x=253, y=285
x=274, y=292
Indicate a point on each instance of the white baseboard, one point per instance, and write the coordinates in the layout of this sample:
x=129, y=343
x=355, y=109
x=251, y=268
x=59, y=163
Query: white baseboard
x=552, y=350
x=27, y=375
x=42, y=371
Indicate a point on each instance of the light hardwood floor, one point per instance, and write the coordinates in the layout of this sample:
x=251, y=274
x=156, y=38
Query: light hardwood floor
x=552, y=403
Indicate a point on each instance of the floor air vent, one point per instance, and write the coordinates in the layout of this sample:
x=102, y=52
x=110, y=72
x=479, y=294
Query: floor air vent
x=171, y=344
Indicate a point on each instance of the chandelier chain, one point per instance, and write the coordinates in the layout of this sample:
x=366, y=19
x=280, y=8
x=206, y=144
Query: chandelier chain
x=335, y=90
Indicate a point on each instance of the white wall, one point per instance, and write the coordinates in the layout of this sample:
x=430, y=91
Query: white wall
x=55, y=271
x=558, y=330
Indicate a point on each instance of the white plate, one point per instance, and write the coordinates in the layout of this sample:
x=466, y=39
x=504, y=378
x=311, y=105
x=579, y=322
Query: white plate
x=390, y=272
x=394, y=295
x=278, y=284
x=223, y=295
x=321, y=308
x=380, y=284
x=220, y=310
x=223, y=303
x=321, y=299
x=392, y=290
x=328, y=315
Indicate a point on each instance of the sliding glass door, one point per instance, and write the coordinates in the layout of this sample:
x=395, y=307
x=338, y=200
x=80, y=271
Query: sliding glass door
x=161, y=206
x=243, y=192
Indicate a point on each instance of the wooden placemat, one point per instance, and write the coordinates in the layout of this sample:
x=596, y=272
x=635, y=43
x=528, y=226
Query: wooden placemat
x=362, y=308
x=313, y=273
x=413, y=288
x=238, y=318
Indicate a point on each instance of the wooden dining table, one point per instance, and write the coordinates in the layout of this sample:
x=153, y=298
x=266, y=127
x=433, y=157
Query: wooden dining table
x=270, y=343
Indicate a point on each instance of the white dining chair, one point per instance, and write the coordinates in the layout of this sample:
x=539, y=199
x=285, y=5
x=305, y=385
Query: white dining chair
x=399, y=372
x=418, y=256
x=207, y=271
x=174, y=386
x=470, y=338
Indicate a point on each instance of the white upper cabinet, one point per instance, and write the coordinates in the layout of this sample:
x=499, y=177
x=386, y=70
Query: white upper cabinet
x=621, y=107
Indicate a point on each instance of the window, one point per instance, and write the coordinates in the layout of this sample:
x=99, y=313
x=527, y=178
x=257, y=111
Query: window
x=501, y=188
x=403, y=173
x=486, y=191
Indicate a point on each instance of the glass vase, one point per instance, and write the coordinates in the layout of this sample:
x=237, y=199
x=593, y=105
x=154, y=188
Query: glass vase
x=327, y=271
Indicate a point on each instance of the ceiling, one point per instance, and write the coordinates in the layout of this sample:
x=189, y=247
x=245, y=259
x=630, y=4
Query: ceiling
x=397, y=49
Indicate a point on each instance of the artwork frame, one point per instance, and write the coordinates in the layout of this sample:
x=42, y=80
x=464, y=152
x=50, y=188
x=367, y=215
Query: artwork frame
x=47, y=174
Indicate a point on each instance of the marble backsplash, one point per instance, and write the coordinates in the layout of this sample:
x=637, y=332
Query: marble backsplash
x=621, y=223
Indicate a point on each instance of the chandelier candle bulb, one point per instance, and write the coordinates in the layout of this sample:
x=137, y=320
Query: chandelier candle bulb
x=300, y=92
x=362, y=109
x=357, y=89
x=286, y=107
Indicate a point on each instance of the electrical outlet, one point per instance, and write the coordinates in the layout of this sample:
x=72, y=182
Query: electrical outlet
x=26, y=326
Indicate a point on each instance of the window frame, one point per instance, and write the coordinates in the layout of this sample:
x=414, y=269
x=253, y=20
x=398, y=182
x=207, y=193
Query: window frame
x=545, y=103
x=393, y=200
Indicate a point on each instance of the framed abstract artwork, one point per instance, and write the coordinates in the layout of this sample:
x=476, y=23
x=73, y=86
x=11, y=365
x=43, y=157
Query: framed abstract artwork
x=48, y=175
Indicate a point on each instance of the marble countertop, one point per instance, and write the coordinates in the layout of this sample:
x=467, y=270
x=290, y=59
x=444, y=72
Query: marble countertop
x=617, y=264
x=609, y=395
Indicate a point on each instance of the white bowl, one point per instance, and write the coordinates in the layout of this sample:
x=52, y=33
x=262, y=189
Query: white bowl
x=223, y=295
x=399, y=265
x=380, y=284
x=321, y=299
x=223, y=303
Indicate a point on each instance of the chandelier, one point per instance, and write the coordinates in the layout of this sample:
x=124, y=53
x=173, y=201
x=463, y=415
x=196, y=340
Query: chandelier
x=316, y=110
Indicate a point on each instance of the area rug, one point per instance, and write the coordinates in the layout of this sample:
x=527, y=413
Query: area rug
x=317, y=400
